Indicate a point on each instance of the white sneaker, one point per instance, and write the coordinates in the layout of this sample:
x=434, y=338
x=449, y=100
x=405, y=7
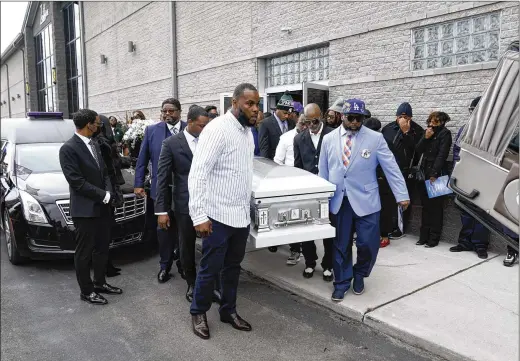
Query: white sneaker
x=294, y=258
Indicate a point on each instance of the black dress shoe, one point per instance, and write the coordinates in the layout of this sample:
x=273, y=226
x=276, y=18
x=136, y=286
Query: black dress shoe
x=272, y=249
x=482, y=253
x=431, y=244
x=93, y=298
x=189, y=293
x=200, y=326
x=180, y=269
x=236, y=321
x=113, y=272
x=163, y=276
x=421, y=243
x=106, y=288
x=217, y=297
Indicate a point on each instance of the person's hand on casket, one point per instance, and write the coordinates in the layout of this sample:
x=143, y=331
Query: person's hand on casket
x=204, y=229
x=404, y=205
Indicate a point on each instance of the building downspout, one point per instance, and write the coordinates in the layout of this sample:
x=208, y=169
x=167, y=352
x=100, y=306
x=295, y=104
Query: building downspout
x=84, y=55
x=24, y=80
x=173, y=22
x=8, y=89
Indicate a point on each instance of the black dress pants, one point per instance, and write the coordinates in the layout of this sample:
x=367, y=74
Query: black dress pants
x=432, y=217
x=309, y=250
x=92, y=243
x=187, y=247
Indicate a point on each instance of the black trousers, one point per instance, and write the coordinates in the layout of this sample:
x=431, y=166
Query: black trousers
x=388, y=219
x=432, y=217
x=168, y=243
x=187, y=247
x=187, y=239
x=309, y=250
x=92, y=243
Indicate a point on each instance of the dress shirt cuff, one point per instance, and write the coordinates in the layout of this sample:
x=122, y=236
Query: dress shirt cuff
x=199, y=220
x=107, y=198
x=161, y=213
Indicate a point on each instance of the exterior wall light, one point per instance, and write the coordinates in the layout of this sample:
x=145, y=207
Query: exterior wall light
x=103, y=59
x=53, y=74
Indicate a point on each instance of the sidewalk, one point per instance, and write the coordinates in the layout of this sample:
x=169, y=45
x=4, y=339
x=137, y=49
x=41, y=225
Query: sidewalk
x=454, y=305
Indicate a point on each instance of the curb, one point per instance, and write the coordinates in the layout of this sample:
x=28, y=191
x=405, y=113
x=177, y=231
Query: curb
x=401, y=335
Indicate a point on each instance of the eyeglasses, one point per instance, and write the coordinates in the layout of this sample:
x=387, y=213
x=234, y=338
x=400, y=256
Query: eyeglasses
x=169, y=111
x=314, y=121
x=354, y=118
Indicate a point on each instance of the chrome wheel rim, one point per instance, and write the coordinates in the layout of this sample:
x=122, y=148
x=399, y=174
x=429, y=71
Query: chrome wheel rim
x=7, y=234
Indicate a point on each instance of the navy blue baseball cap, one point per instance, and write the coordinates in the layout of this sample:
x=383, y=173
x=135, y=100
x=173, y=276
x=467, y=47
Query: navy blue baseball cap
x=354, y=106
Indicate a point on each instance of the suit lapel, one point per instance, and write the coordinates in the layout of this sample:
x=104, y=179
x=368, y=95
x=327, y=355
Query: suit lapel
x=358, y=143
x=276, y=127
x=185, y=146
x=308, y=140
x=87, y=152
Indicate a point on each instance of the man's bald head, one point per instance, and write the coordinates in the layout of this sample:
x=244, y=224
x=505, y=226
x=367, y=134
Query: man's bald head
x=312, y=111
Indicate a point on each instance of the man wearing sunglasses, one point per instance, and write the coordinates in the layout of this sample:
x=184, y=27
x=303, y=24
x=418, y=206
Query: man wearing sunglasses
x=154, y=135
x=307, y=145
x=349, y=158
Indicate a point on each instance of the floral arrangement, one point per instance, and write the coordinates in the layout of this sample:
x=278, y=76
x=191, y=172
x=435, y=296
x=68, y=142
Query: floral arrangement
x=135, y=132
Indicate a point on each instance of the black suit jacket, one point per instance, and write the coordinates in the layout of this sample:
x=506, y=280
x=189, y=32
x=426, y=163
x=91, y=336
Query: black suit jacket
x=306, y=156
x=173, y=167
x=88, y=182
x=269, y=136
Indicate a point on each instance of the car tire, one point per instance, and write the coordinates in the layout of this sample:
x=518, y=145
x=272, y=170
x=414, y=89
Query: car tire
x=12, y=250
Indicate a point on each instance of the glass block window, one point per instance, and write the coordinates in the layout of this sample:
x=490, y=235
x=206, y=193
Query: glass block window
x=303, y=66
x=458, y=42
x=73, y=56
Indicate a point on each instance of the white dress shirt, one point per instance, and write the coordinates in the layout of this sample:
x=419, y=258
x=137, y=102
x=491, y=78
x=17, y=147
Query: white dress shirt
x=96, y=159
x=316, y=137
x=285, y=150
x=176, y=126
x=192, y=141
x=221, y=175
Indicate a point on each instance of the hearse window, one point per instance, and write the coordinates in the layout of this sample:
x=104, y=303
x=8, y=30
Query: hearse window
x=37, y=158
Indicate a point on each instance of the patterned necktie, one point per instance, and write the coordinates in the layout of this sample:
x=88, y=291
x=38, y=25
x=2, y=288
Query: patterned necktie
x=284, y=127
x=347, y=150
x=94, y=153
x=174, y=131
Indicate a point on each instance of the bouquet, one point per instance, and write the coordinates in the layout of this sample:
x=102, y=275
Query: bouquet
x=135, y=132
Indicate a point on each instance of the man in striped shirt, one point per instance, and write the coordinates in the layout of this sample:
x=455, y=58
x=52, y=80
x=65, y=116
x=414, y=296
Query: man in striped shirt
x=219, y=185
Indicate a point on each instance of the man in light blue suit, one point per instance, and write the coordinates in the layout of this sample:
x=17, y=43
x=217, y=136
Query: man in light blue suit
x=349, y=158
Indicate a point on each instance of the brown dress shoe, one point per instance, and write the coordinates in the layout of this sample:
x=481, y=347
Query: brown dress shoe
x=236, y=321
x=200, y=325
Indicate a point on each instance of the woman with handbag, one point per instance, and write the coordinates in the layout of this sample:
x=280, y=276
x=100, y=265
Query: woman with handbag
x=434, y=148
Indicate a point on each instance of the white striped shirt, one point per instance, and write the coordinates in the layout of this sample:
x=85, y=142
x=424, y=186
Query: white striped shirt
x=221, y=174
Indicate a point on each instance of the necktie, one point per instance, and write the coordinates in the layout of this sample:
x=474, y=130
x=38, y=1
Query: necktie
x=284, y=127
x=94, y=154
x=174, y=131
x=347, y=150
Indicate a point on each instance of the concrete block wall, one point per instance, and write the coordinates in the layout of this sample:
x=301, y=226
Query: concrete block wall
x=128, y=81
x=4, y=109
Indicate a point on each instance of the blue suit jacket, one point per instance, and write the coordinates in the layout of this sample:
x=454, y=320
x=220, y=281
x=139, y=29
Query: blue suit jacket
x=358, y=181
x=150, y=151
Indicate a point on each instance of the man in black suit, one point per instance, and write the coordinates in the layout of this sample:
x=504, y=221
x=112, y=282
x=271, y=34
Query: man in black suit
x=307, y=146
x=274, y=126
x=174, y=167
x=90, y=198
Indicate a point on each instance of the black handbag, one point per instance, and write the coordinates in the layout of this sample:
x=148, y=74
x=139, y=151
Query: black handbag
x=416, y=173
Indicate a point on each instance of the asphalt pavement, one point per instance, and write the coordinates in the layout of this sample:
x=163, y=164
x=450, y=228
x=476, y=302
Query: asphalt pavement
x=42, y=318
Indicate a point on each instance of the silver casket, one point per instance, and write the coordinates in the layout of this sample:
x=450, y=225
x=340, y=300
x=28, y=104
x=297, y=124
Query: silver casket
x=288, y=205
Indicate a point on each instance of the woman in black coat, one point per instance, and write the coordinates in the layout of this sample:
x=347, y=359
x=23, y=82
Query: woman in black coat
x=434, y=147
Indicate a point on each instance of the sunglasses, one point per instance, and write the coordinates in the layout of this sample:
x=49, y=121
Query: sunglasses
x=169, y=111
x=314, y=121
x=354, y=118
